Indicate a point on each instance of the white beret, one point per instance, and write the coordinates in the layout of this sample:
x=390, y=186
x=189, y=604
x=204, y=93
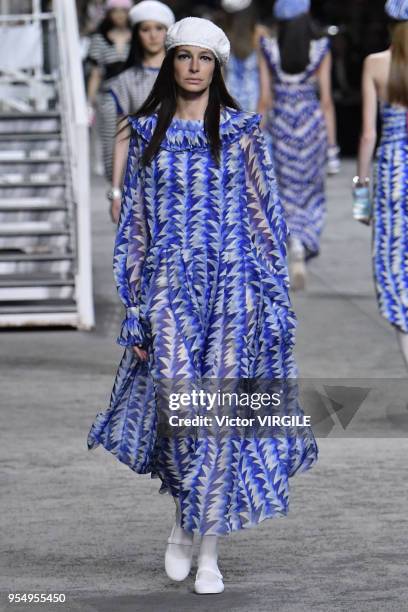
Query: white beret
x=233, y=6
x=199, y=32
x=152, y=10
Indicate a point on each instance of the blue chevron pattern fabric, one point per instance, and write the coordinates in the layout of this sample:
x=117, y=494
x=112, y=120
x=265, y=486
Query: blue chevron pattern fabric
x=200, y=265
x=297, y=128
x=390, y=217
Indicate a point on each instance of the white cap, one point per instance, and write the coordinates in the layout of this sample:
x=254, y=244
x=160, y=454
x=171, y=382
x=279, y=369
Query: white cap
x=233, y=6
x=152, y=10
x=199, y=32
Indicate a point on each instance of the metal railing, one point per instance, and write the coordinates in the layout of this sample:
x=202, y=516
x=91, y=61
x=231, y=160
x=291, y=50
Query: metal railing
x=76, y=125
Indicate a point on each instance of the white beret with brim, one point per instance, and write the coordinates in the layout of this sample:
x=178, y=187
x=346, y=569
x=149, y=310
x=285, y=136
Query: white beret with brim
x=199, y=32
x=152, y=10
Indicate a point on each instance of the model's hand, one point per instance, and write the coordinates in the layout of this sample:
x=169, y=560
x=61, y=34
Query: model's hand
x=115, y=209
x=141, y=353
x=91, y=115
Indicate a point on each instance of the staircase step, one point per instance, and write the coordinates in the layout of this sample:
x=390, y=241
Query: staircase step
x=33, y=228
x=38, y=308
x=30, y=115
x=30, y=184
x=54, y=318
x=22, y=204
x=52, y=135
x=32, y=257
x=31, y=160
x=36, y=281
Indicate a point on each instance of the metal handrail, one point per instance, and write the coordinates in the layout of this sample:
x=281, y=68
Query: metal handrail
x=76, y=122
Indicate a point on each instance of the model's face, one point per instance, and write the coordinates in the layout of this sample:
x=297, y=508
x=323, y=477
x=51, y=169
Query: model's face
x=152, y=36
x=193, y=68
x=119, y=17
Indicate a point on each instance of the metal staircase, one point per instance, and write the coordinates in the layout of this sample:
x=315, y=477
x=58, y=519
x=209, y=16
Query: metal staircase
x=45, y=256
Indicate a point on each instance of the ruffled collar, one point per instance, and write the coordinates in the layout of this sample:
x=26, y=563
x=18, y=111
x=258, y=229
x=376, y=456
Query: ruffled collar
x=186, y=134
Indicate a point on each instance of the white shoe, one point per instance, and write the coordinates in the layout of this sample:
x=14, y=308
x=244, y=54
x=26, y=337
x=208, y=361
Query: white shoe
x=297, y=275
x=208, y=581
x=177, y=560
x=333, y=167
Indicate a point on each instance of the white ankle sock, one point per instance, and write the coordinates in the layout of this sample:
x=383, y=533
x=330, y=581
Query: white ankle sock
x=181, y=535
x=208, y=555
x=296, y=249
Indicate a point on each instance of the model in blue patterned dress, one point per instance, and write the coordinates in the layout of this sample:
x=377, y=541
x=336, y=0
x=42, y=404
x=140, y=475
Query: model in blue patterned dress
x=200, y=264
x=302, y=126
x=383, y=83
x=242, y=73
x=242, y=80
x=390, y=217
x=298, y=132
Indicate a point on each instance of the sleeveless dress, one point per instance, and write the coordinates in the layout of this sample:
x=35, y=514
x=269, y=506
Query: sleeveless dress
x=390, y=217
x=297, y=127
x=200, y=265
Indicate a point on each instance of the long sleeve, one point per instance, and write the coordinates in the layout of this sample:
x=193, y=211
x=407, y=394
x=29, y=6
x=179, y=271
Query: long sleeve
x=130, y=248
x=268, y=228
x=269, y=234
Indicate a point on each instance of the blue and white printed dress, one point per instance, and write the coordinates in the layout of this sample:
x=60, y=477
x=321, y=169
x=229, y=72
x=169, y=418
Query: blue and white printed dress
x=200, y=264
x=243, y=81
x=298, y=131
x=390, y=217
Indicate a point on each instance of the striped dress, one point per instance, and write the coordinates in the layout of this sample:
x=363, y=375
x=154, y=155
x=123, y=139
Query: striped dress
x=132, y=87
x=297, y=127
x=111, y=62
x=390, y=217
x=200, y=265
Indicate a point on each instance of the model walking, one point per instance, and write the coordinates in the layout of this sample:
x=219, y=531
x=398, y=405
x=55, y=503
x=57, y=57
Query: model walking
x=150, y=20
x=242, y=71
x=200, y=264
x=302, y=125
x=385, y=81
x=108, y=52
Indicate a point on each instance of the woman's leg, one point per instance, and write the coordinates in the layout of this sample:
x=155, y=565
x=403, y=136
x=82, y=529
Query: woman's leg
x=179, y=550
x=180, y=534
x=208, y=578
x=208, y=555
x=297, y=266
x=403, y=344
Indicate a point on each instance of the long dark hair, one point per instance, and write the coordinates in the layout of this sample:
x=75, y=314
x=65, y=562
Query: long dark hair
x=163, y=100
x=136, y=51
x=105, y=26
x=240, y=27
x=294, y=38
x=398, y=79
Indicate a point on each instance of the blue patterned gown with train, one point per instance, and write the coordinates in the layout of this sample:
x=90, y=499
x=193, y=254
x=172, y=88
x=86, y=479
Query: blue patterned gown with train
x=298, y=131
x=200, y=264
x=390, y=217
